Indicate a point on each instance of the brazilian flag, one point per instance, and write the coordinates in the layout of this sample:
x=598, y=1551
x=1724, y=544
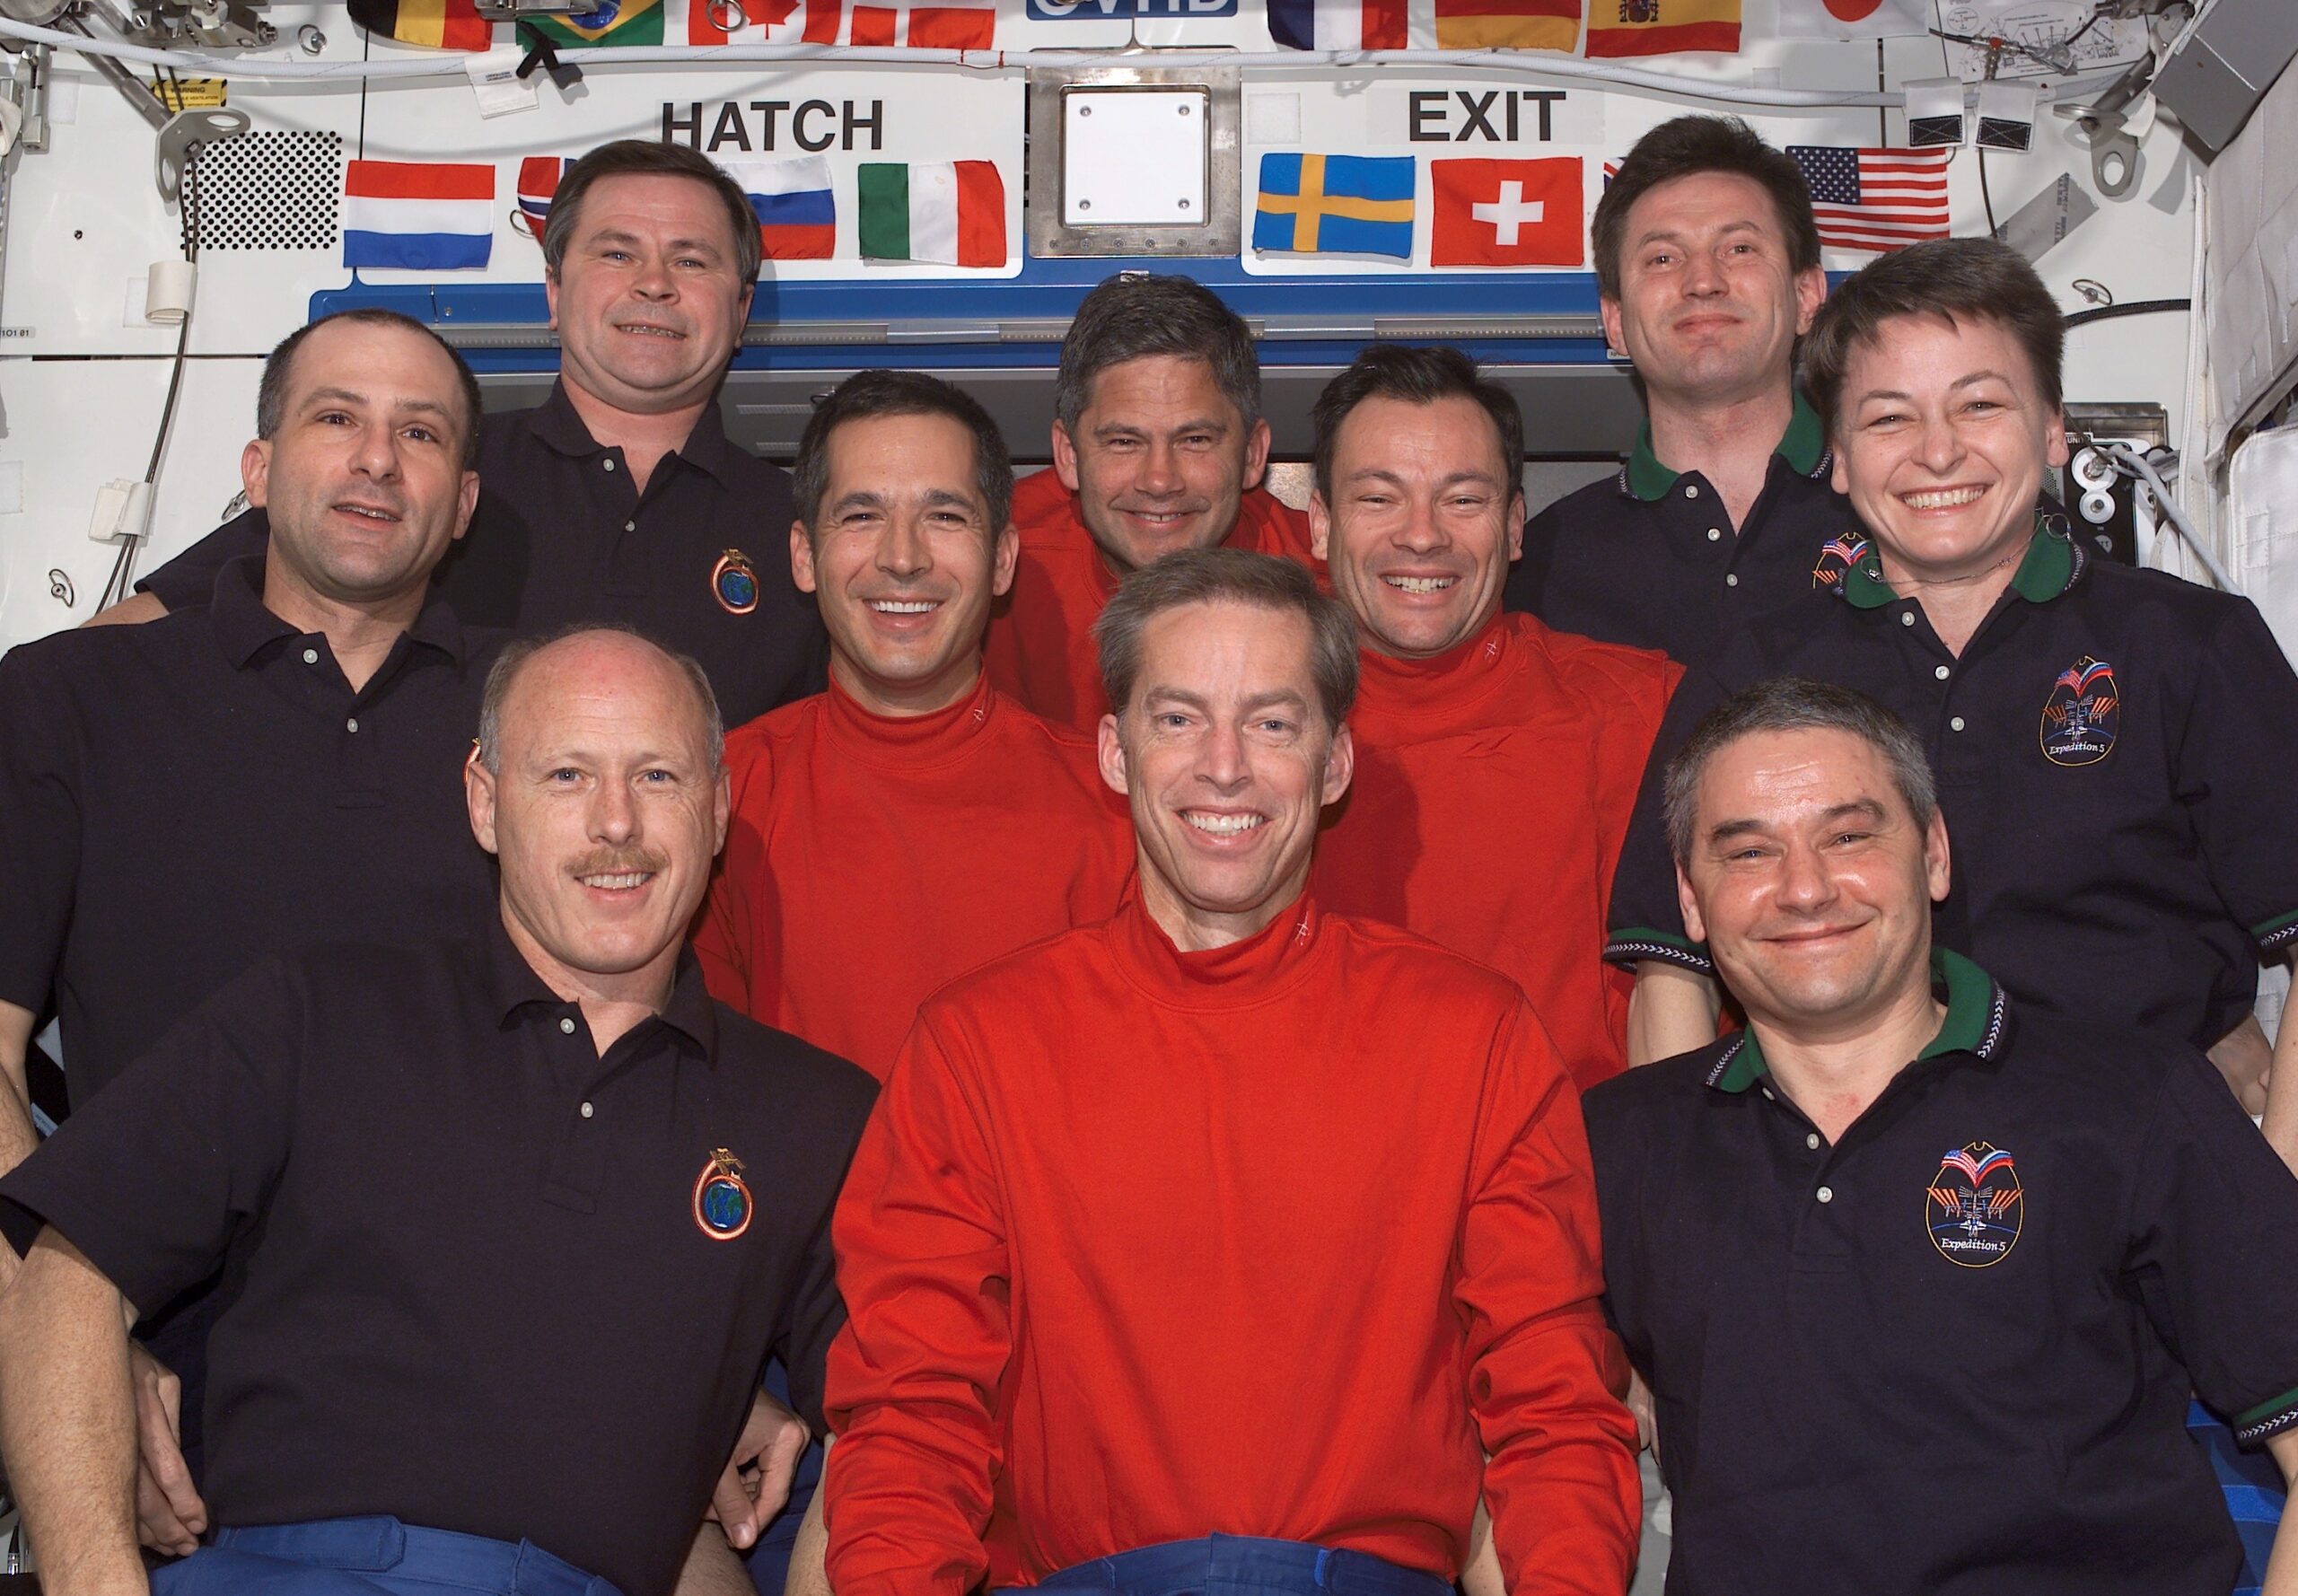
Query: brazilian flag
x=612, y=21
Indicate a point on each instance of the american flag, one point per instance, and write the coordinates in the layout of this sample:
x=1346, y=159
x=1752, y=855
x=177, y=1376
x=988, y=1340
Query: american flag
x=1876, y=199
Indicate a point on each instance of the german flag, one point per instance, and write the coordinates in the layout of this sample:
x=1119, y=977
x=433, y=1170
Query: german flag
x=436, y=25
x=1663, y=27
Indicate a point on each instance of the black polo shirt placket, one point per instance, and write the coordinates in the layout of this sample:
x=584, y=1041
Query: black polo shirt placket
x=1834, y=1354
x=1651, y=558
x=180, y=798
x=303, y=670
x=2099, y=879
x=1823, y=1176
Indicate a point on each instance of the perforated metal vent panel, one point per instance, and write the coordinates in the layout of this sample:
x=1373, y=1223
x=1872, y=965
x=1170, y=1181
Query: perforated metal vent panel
x=266, y=191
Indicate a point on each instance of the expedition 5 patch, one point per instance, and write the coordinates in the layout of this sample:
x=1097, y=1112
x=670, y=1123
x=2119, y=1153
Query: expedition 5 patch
x=2081, y=715
x=1975, y=1206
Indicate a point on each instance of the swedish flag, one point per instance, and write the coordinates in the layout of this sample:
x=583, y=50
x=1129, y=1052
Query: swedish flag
x=1336, y=205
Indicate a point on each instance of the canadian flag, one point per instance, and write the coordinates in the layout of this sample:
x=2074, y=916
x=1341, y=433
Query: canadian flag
x=1506, y=213
x=964, y=25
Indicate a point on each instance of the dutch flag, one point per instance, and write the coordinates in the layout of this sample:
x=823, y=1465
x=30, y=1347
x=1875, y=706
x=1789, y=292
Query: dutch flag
x=417, y=215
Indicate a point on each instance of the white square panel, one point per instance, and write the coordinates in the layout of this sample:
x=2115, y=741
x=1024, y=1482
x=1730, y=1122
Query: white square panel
x=1133, y=156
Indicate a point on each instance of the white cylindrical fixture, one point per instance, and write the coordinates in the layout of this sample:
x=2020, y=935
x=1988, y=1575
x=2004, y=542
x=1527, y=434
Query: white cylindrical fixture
x=167, y=291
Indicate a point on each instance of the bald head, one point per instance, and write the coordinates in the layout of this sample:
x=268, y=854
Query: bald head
x=612, y=654
x=598, y=785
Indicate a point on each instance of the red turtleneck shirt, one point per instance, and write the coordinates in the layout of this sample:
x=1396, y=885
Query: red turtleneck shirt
x=870, y=859
x=1493, y=789
x=1274, y=1241
x=1040, y=647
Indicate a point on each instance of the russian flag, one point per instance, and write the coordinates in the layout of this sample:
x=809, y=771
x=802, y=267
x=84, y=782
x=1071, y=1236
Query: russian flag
x=417, y=215
x=797, y=216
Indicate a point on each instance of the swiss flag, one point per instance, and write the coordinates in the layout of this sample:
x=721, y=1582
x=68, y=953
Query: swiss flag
x=1507, y=212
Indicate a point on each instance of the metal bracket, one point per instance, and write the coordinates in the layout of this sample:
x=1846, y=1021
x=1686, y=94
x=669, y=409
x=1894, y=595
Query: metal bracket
x=27, y=88
x=2114, y=153
x=505, y=11
x=185, y=130
x=1222, y=229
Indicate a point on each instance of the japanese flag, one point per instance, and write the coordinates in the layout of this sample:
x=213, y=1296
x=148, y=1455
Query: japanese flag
x=1854, y=19
x=1507, y=212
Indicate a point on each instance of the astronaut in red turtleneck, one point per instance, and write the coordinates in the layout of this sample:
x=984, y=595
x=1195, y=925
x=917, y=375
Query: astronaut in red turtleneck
x=1158, y=444
x=1220, y=1243
x=912, y=821
x=1496, y=760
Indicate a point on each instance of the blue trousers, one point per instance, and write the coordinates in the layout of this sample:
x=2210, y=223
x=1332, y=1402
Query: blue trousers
x=769, y=1559
x=1241, y=1565
x=369, y=1557
x=2252, y=1483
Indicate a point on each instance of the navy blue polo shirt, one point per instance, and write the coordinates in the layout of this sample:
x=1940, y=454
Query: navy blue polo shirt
x=180, y=798
x=1651, y=559
x=490, y=1280
x=2115, y=751
x=1951, y=1355
x=700, y=560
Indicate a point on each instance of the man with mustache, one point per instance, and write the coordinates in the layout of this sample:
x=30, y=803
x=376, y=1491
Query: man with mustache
x=1921, y=1275
x=255, y=775
x=1212, y=1247
x=1472, y=727
x=2110, y=743
x=852, y=884
x=1158, y=444
x=519, y=1212
x=1708, y=270
x=621, y=498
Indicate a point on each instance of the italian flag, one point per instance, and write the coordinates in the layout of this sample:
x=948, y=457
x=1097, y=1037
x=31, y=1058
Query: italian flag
x=952, y=212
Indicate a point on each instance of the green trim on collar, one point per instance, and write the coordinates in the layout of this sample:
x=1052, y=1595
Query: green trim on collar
x=1974, y=1023
x=1647, y=479
x=1741, y=1068
x=1802, y=446
x=1863, y=587
x=2047, y=570
x=1805, y=440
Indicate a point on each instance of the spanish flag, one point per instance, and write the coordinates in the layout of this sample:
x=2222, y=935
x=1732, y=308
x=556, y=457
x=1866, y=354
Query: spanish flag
x=609, y=23
x=439, y=24
x=1663, y=27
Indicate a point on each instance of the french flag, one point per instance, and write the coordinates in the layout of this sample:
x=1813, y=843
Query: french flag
x=797, y=215
x=417, y=215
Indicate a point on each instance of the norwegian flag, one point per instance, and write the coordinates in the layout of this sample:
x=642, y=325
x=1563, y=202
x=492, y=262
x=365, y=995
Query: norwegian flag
x=538, y=177
x=953, y=25
x=1876, y=200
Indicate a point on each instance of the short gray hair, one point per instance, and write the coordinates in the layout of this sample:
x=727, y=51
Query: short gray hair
x=1137, y=315
x=1229, y=577
x=516, y=654
x=1794, y=704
